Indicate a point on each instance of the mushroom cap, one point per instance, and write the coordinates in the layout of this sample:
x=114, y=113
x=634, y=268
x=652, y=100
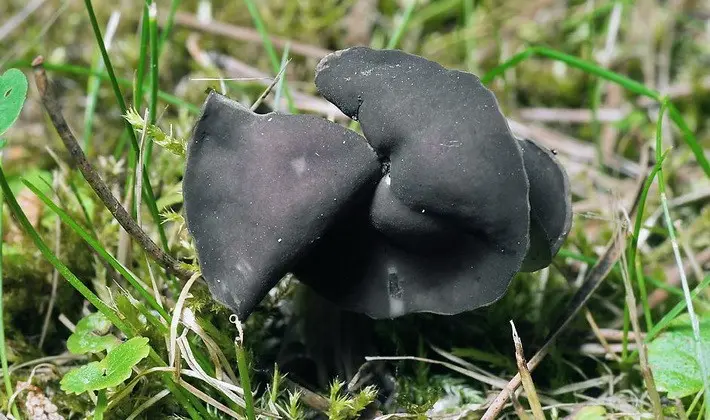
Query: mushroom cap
x=550, y=205
x=457, y=178
x=260, y=190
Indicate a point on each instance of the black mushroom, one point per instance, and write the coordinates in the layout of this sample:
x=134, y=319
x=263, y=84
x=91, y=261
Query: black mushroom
x=260, y=190
x=458, y=207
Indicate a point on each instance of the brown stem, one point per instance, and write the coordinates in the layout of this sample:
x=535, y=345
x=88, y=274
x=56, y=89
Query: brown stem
x=94, y=179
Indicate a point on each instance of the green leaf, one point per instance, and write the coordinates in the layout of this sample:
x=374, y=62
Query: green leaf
x=109, y=372
x=13, y=91
x=673, y=358
x=91, y=335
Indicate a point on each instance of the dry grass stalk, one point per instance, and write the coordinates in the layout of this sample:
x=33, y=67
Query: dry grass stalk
x=643, y=355
x=597, y=332
x=525, y=376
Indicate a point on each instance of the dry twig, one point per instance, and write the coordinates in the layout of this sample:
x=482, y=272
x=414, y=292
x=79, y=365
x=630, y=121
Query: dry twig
x=525, y=376
x=240, y=33
x=51, y=105
x=597, y=332
x=643, y=354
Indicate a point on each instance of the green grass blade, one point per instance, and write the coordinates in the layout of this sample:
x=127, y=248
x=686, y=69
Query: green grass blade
x=140, y=69
x=270, y=50
x=689, y=138
x=402, y=26
x=109, y=69
x=96, y=246
x=245, y=381
x=634, y=266
x=101, y=403
x=573, y=61
x=280, y=83
x=169, y=22
x=154, y=79
x=700, y=354
x=509, y=64
x=623, y=81
x=3, y=345
x=148, y=191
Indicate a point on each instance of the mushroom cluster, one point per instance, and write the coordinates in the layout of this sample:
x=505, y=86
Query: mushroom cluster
x=434, y=210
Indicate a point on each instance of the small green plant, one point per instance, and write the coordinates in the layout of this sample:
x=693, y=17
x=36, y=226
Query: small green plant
x=174, y=145
x=343, y=406
x=278, y=400
x=92, y=335
x=110, y=371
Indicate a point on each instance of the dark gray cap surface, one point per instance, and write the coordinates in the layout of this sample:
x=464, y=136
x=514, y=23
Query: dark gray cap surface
x=457, y=180
x=259, y=190
x=550, y=205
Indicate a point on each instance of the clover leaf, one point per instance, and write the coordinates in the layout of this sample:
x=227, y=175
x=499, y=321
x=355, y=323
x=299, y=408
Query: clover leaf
x=109, y=372
x=91, y=335
x=13, y=91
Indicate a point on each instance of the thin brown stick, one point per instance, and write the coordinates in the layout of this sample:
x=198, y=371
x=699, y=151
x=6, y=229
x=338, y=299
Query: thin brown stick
x=53, y=109
x=518, y=407
x=269, y=88
x=241, y=33
x=573, y=115
x=600, y=337
x=615, y=335
x=525, y=376
x=310, y=398
x=643, y=354
x=596, y=349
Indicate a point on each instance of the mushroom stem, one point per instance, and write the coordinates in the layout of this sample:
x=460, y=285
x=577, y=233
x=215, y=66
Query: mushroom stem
x=51, y=105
